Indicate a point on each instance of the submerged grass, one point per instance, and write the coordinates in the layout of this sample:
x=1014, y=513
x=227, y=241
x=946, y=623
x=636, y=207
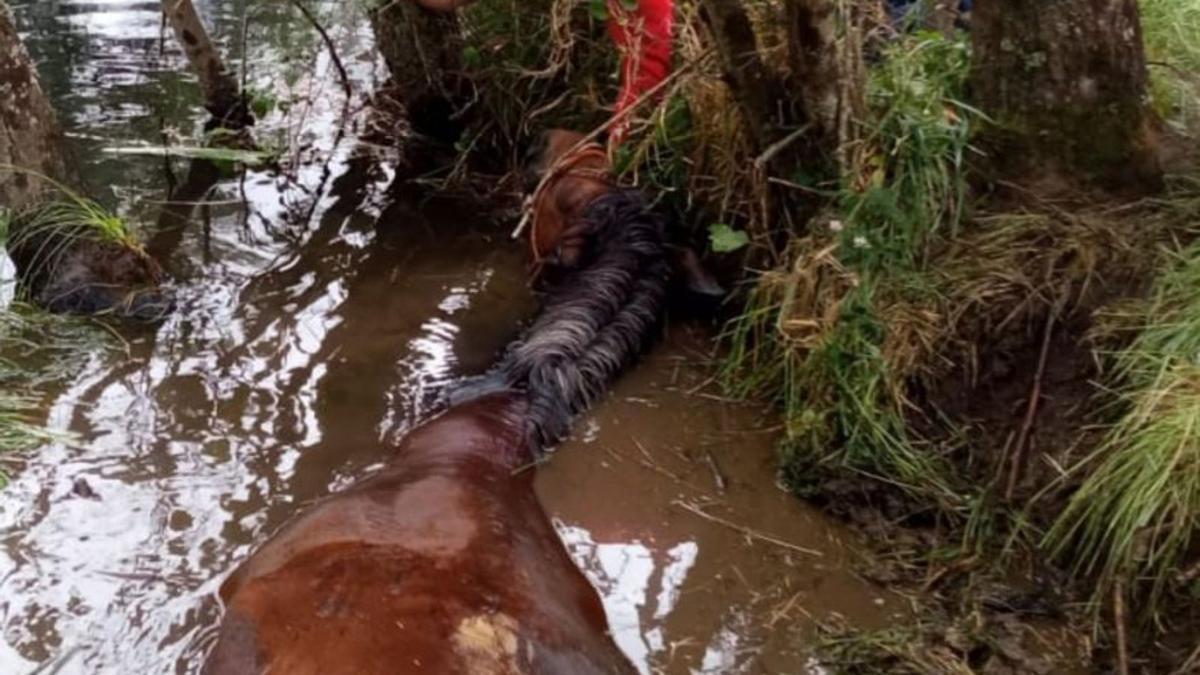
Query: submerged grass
x=1134, y=520
x=37, y=350
x=899, y=650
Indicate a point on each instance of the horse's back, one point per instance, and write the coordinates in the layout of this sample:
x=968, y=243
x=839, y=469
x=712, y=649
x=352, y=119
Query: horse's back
x=429, y=567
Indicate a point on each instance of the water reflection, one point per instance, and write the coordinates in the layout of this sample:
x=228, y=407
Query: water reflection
x=632, y=579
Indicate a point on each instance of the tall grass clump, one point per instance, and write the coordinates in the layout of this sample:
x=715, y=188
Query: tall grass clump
x=62, y=218
x=835, y=332
x=1135, y=518
x=1172, y=36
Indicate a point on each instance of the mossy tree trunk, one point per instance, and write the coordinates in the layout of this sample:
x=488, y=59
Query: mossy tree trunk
x=1065, y=83
x=29, y=134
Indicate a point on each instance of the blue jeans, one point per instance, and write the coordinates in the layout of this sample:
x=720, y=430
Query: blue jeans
x=898, y=10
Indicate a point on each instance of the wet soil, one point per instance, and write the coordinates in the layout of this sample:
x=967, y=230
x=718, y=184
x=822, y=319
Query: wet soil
x=668, y=499
x=318, y=316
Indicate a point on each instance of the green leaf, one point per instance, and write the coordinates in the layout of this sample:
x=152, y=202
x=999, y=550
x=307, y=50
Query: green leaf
x=598, y=9
x=471, y=56
x=262, y=103
x=725, y=239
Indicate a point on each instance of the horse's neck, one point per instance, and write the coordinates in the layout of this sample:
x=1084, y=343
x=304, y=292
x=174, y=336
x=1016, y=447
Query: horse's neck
x=489, y=428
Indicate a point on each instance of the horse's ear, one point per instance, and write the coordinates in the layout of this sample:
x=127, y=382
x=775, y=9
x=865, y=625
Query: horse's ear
x=693, y=276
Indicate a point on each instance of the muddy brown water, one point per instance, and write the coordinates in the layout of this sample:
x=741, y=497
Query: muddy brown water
x=318, y=317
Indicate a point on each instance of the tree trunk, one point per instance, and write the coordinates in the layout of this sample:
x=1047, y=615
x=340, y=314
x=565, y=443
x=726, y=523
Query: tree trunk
x=222, y=96
x=1065, y=83
x=29, y=134
x=813, y=57
x=755, y=88
x=422, y=48
x=794, y=121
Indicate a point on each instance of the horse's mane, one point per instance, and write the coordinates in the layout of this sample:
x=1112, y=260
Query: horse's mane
x=596, y=317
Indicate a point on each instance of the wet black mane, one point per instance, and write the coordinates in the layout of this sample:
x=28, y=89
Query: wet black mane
x=596, y=317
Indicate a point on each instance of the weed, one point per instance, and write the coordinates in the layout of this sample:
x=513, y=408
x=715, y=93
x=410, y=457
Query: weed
x=1135, y=517
x=545, y=62
x=818, y=336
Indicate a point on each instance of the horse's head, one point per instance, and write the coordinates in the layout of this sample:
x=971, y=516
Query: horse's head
x=569, y=173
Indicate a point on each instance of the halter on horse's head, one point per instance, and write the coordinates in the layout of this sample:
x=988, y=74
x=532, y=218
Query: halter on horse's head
x=572, y=172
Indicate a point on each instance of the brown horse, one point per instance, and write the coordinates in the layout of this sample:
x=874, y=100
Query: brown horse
x=444, y=561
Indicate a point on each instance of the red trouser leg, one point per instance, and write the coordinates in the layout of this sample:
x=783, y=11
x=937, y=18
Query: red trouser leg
x=643, y=36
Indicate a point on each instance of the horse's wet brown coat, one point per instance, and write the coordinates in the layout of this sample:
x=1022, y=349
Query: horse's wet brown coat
x=444, y=562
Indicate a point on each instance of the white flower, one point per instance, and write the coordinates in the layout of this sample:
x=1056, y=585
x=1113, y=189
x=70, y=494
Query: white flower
x=861, y=242
x=835, y=225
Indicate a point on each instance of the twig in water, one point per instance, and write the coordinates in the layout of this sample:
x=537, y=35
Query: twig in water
x=1018, y=451
x=718, y=477
x=1189, y=666
x=753, y=534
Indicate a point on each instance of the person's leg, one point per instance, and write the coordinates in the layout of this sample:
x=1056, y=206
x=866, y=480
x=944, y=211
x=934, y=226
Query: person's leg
x=643, y=35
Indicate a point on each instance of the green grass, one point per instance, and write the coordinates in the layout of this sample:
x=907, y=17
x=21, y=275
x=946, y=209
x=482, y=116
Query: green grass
x=68, y=209
x=1172, y=35
x=815, y=335
x=1135, y=518
x=913, y=185
x=37, y=351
